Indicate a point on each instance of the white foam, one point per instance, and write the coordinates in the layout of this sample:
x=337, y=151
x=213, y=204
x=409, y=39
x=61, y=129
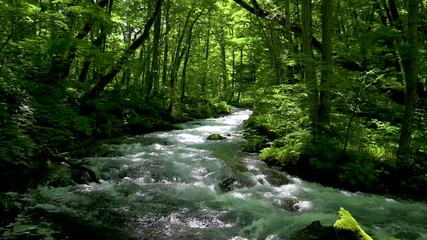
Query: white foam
x=240, y=195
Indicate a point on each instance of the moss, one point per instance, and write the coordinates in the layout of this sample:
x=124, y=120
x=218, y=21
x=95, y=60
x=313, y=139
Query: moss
x=348, y=223
x=215, y=136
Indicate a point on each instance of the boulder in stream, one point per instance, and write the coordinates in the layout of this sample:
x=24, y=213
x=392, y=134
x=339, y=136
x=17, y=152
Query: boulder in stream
x=346, y=227
x=275, y=177
x=215, y=136
x=234, y=180
x=291, y=204
x=315, y=231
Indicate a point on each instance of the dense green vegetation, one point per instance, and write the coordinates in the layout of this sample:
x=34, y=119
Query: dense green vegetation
x=357, y=122
x=73, y=72
x=355, y=152
x=337, y=87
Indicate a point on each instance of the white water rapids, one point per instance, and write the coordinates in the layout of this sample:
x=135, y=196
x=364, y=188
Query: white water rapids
x=177, y=185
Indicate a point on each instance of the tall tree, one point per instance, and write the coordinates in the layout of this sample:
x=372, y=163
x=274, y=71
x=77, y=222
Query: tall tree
x=166, y=43
x=309, y=68
x=187, y=55
x=206, y=57
x=327, y=66
x=296, y=30
x=177, y=58
x=288, y=36
x=409, y=55
x=153, y=75
x=109, y=76
x=61, y=62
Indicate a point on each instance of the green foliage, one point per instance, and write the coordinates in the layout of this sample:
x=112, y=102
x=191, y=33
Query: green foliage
x=278, y=129
x=200, y=108
x=279, y=120
x=254, y=143
x=57, y=125
x=140, y=124
x=46, y=46
x=221, y=107
x=8, y=206
x=358, y=174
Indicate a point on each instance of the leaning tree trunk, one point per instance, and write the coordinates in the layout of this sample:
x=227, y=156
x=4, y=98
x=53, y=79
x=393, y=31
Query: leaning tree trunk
x=108, y=77
x=61, y=66
x=409, y=56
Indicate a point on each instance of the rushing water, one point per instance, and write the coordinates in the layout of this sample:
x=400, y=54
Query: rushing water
x=177, y=185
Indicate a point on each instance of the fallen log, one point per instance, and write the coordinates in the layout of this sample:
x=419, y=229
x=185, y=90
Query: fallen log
x=59, y=158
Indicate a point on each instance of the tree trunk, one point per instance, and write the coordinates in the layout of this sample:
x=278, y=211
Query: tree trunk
x=108, y=77
x=153, y=74
x=409, y=56
x=240, y=76
x=205, y=75
x=274, y=51
x=166, y=46
x=289, y=44
x=85, y=70
x=297, y=31
x=309, y=72
x=233, y=75
x=327, y=64
x=179, y=52
x=224, y=67
x=61, y=66
x=187, y=55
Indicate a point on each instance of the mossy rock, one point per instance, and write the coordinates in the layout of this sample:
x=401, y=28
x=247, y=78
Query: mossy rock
x=348, y=228
x=314, y=231
x=215, y=136
x=231, y=181
x=275, y=177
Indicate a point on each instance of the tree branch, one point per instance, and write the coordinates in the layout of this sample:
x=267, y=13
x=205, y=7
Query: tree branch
x=107, y=78
x=295, y=28
x=61, y=67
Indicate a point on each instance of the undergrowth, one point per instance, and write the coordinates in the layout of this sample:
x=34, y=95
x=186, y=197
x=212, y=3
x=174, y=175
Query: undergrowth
x=279, y=131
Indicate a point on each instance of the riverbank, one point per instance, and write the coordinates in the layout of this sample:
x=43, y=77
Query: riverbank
x=32, y=166
x=357, y=155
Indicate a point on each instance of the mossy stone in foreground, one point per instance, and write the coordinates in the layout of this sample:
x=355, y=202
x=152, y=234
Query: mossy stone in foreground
x=314, y=231
x=347, y=225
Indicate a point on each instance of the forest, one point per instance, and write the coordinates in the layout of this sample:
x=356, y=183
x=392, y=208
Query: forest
x=337, y=88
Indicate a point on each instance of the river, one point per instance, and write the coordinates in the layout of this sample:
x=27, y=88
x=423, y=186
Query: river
x=178, y=185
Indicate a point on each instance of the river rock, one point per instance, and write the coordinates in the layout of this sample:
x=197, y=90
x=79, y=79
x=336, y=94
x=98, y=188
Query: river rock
x=290, y=204
x=314, y=231
x=347, y=227
x=231, y=181
x=215, y=136
x=276, y=178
